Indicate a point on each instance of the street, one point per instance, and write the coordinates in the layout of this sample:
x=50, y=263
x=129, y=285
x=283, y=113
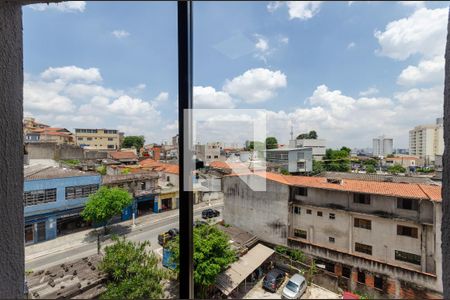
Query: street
x=74, y=250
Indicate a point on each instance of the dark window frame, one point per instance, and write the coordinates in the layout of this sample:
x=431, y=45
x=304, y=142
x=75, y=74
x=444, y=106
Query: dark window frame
x=408, y=204
x=362, y=223
x=360, y=198
x=408, y=257
x=300, y=233
x=363, y=248
x=408, y=231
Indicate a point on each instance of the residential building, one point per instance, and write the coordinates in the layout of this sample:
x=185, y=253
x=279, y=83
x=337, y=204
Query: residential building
x=97, y=138
x=208, y=152
x=384, y=237
x=124, y=157
x=293, y=160
x=405, y=161
x=53, y=199
x=49, y=135
x=427, y=141
x=318, y=146
x=175, y=141
x=144, y=189
x=383, y=146
x=30, y=124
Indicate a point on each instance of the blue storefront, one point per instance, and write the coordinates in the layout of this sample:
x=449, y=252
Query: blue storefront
x=54, y=204
x=142, y=205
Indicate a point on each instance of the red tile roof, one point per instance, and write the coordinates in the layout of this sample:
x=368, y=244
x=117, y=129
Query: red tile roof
x=394, y=189
x=159, y=166
x=122, y=155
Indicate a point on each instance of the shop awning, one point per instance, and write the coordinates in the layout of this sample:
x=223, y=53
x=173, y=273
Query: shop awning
x=231, y=278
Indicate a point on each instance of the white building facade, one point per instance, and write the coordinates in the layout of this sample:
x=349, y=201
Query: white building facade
x=383, y=146
x=318, y=146
x=427, y=141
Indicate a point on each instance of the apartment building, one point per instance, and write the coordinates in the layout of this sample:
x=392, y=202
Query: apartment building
x=293, y=160
x=380, y=237
x=208, y=152
x=318, y=146
x=97, y=138
x=53, y=199
x=427, y=141
x=383, y=146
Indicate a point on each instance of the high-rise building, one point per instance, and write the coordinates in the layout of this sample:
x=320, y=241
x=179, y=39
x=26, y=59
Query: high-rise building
x=382, y=146
x=427, y=141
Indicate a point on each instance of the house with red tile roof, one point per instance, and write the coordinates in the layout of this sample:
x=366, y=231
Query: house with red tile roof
x=372, y=234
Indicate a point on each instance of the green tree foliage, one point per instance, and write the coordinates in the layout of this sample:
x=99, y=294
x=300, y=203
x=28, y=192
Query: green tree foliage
x=133, y=141
x=370, y=169
x=395, y=169
x=105, y=204
x=255, y=145
x=212, y=255
x=101, y=170
x=125, y=171
x=271, y=142
x=371, y=162
x=337, y=160
x=284, y=172
x=312, y=135
x=318, y=167
x=132, y=271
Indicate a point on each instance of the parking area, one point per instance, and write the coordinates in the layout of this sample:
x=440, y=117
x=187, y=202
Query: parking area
x=312, y=292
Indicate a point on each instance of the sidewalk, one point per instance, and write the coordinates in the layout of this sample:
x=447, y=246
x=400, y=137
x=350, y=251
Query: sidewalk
x=90, y=236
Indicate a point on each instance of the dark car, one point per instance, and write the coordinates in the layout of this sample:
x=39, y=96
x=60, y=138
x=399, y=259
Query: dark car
x=198, y=223
x=210, y=213
x=273, y=280
x=163, y=238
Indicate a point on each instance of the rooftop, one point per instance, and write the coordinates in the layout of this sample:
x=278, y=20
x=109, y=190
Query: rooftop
x=394, y=189
x=159, y=166
x=118, y=155
x=36, y=172
x=378, y=177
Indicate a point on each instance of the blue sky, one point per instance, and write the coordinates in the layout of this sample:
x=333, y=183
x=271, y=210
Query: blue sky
x=349, y=70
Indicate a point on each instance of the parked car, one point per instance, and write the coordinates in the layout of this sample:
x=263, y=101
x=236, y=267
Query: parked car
x=273, y=280
x=295, y=287
x=199, y=223
x=163, y=238
x=210, y=213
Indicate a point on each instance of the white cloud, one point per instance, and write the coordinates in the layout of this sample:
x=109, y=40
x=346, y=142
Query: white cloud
x=265, y=47
x=141, y=86
x=427, y=71
x=120, y=34
x=424, y=32
x=130, y=106
x=262, y=44
x=256, y=85
x=415, y=4
x=284, y=40
x=46, y=97
x=351, y=45
x=72, y=73
x=302, y=10
x=82, y=91
x=370, y=91
x=68, y=6
x=208, y=97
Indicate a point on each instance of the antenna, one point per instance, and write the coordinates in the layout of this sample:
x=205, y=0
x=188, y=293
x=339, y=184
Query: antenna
x=292, y=132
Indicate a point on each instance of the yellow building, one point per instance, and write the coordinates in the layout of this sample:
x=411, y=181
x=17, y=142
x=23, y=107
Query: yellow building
x=97, y=138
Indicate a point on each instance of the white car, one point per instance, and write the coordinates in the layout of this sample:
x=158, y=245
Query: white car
x=295, y=287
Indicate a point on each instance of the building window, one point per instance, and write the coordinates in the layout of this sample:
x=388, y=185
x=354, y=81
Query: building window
x=361, y=277
x=29, y=233
x=89, y=139
x=346, y=272
x=80, y=191
x=80, y=138
x=332, y=216
x=331, y=239
x=110, y=139
x=142, y=185
x=319, y=213
x=407, y=231
x=215, y=156
x=361, y=198
x=302, y=191
x=363, y=223
x=410, y=204
x=300, y=233
x=297, y=210
x=407, y=257
x=110, y=146
x=363, y=248
x=378, y=282
x=308, y=212
x=209, y=156
x=168, y=179
x=39, y=197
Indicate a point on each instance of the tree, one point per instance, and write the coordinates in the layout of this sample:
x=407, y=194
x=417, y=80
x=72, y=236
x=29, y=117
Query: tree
x=370, y=169
x=312, y=135
x=255, y=145
x=284, y=171
x=395, y=169
x=133, y=141
x=132, y=271
x=318, y=167
x=337, y=160
x=101, y=170
x=271, y=142
x=212, y=255
x=105, y=204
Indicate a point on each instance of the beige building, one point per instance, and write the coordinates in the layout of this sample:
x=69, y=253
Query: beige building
x=381, y=238
x=97, y=138
x=208, y=152
x=427, y=141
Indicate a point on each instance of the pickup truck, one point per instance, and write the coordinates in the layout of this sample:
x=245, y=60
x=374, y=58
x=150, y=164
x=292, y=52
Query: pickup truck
x=163, y=238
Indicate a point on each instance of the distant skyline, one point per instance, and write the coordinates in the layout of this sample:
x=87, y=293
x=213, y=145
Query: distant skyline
x=349, y=70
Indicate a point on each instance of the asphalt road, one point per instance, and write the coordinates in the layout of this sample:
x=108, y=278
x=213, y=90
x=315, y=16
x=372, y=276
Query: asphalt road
x=148, y=232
